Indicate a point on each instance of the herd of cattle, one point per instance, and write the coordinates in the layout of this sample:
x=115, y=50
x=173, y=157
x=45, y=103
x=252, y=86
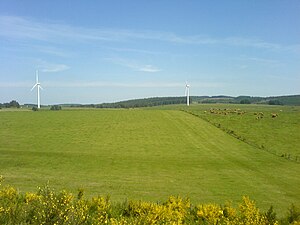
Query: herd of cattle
x=259, y=115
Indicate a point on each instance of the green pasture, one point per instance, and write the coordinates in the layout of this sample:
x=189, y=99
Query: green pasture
x=145, y=154
x=255, y=125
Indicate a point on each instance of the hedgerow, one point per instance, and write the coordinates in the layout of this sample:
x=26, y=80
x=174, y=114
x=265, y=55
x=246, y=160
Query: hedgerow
x=47, y=206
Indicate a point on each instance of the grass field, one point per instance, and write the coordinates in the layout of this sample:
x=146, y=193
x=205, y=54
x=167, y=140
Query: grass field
x=255, y=125
x=142, y=154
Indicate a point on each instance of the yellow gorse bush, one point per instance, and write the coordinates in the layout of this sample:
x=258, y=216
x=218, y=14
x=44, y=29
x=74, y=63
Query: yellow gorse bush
x=1, y=179
x=210, y=213
x=173, y=211
x=50, y=207
x=250, y=213
x=100, y=206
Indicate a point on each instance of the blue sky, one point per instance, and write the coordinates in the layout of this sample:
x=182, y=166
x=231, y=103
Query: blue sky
x=106, y=51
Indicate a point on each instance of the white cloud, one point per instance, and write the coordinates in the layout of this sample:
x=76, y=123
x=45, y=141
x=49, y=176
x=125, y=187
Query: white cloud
x=248, y=42
x=260, y=61
x=16, y=84
x=136, y=51
x=97, y=84
x=132, y=64
x=55, y=68
x=52, y=51
x=14, y=27
x=149, y=69
x=47, y=67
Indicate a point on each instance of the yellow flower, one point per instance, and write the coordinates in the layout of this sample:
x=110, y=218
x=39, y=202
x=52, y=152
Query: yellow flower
x=29, y=197
x=210, y=213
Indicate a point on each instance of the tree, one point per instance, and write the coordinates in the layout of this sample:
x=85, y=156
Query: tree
x=55, y=107
x=275, y=102
x=14, y=104
x=34, y=108
x=245, y=101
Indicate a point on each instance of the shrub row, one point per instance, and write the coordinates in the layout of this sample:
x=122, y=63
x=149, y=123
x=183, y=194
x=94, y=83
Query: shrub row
x=49, y=207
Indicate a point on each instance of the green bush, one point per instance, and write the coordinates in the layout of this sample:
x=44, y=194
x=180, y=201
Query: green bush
x=55, y=107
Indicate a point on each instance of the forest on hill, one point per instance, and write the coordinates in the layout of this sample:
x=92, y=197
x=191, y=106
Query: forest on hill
x=157, y=101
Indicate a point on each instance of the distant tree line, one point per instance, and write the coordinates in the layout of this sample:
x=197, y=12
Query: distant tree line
x=278, y=100
x=158, y=101
x=12, y=104
x=135, y=103
x=275, y=102
x=245, y=101
x=53, y=108
x=250, y=100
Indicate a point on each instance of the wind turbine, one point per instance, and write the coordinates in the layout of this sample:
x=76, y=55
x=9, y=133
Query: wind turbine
x=38, y=87
x=187, y=93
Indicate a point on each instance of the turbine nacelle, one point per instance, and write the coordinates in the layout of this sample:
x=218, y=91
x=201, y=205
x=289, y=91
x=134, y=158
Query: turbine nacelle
x=186, y=84
x=38, y=85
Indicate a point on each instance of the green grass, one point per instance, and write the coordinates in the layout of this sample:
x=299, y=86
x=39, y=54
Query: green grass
x=141, y=154
x=280, y=135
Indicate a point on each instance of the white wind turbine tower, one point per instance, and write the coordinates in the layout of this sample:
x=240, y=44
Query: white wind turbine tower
x=187, y=93
x=38, y=87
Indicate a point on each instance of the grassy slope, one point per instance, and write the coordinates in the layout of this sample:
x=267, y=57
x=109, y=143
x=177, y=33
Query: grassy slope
x=279, y=135
x=140, y=154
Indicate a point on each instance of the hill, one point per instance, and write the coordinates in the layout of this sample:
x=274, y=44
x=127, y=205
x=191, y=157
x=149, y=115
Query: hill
x=157, y=101
x=273, y=100
x=268, y=127
x=135, y=103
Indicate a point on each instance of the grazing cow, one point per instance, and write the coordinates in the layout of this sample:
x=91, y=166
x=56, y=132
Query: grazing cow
x=274, y=115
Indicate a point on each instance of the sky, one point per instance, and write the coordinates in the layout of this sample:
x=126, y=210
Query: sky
x=107, y=51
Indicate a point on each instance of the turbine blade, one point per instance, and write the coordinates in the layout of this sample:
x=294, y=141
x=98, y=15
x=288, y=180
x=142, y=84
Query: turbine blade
x=33, y=87
x=41, y=87
x=37, y=76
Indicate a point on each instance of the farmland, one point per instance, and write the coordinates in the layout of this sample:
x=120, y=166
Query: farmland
x=152, y=154
x=255, y=125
